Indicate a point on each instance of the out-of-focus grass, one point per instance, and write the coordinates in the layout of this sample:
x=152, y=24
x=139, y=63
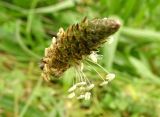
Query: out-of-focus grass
x=26, y=28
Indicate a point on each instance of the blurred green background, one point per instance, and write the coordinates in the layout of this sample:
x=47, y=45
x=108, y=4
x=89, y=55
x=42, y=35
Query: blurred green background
x=26, y=28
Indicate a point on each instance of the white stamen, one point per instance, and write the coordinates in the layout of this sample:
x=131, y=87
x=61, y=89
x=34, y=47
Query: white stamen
x=80, y=67
x=61, y=31
x=81, y=97
x=53, y=40
x=104, y=83
x=45, y=67
x=82, y=88
x=105, y=18
x=81, y=83
x=45, y=51
x=110, y=40
x=51, y=46
x=90, y=87
x=87, y=95
x=93, y=56
x=110, y=77
x=71, y=95
x=72, y=88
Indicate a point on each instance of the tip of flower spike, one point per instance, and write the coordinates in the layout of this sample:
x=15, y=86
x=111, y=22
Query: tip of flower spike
x=112, y=24
x=117, y=23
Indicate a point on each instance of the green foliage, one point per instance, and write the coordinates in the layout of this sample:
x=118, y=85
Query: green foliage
x=26, y=28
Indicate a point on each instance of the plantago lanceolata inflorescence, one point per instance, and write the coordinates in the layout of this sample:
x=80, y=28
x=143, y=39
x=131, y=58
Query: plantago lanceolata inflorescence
x=79, y=42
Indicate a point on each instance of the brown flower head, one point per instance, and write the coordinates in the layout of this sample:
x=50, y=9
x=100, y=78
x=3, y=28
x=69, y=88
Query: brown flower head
x=73, y=45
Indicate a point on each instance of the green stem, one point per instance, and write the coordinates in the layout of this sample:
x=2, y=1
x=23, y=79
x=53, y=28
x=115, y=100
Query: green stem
x=20, y=42
x=109, y=52
x=33, y=95
x=141, y=34
x=49, y=9
x=13, y=7
x=31, y=16
x=30, y=24
x=56, y=7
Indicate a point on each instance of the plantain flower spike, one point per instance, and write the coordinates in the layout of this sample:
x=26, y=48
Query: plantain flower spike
x=72, y=46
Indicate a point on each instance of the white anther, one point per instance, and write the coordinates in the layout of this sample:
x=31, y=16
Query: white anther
x=110, y=76
x=61, y=31
x=104, y=83
x=72, y=88
x=87, y=95
x=53, y=40
x=46, y=51
x=81, y=97
x=71, y=95
x=91, y=86
x=81, y=83
x=82, y=88
x=93, y=56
